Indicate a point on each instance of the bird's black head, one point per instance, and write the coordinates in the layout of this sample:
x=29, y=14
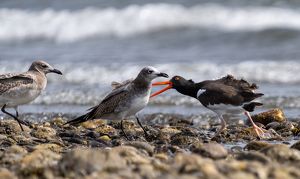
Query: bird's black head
x=177, y=82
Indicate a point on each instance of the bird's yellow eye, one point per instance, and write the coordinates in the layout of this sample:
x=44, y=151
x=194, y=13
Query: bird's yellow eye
x=177, y=78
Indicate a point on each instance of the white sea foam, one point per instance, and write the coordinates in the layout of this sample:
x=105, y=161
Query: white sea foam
x=286, y=72
x=69, y=26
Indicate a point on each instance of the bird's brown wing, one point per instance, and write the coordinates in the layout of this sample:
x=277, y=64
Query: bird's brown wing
x=109, y=103
x=220, y=93
x=11, y=81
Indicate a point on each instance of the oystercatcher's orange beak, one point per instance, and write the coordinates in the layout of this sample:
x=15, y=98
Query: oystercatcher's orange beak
x=162, y=83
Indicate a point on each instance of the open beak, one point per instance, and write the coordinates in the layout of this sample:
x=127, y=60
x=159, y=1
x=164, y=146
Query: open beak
x=162, y=83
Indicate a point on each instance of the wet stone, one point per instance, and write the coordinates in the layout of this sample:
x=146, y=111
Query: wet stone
x=104, y=141
x=75, y=140
x=93, y=134
x=44, y=133
x=265, y=118
x=67, y=134
x=12, y=126
x=296, y=145
x=255, y=145
x=254, y=156
x=96, y=144
x=281, y=153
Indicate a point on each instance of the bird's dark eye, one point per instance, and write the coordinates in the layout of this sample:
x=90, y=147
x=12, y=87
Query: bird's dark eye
x=150, y=71
x=44, y=66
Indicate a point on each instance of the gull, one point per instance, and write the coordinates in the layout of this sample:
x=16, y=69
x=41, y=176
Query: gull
x=22, y=88
x=126, y=99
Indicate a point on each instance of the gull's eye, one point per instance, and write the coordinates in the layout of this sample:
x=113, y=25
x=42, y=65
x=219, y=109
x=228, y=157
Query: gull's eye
x=44, y=66
x=150, y=71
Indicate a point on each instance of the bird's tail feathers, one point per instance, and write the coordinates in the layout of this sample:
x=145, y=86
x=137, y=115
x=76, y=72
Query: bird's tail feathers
x=250, y=106
x=80, y=119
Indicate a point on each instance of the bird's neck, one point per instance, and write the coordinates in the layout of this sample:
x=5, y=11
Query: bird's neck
x=141, y=84
x=190, y=89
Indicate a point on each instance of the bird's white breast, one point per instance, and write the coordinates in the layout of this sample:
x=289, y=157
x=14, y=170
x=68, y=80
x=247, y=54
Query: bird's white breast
x=137, y=104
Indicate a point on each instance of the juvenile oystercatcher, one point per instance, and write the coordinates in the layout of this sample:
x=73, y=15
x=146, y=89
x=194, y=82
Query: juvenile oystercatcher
x=222, y=96
x=21, y=88
x=126, y=99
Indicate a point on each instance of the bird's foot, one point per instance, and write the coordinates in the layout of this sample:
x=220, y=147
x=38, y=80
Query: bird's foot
x=260, y=133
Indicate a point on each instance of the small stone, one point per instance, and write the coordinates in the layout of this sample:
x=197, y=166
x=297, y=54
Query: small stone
x=105, y=137
x=38, y=161
x=15, y=149
x=106, y=130
x=93, y=134
x=141, y=145
x=254, y=156
x=255, y=145
x=132, y=155
x=83, y=162
x=44, y=133
x=53, y=147
x=96, y=144
x=90, y=124
x=214, y=151
x=12, y=126
x=104, y=141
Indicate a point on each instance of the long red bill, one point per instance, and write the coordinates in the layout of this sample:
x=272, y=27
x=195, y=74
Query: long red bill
x=162, y=83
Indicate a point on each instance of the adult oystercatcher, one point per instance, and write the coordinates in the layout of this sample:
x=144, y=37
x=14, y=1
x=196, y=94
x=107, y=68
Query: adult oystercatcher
x=222, y=96
x=21, y=88
x=126, y=99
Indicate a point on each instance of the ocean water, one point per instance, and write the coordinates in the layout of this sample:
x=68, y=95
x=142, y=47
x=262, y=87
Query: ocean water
x=94, y=43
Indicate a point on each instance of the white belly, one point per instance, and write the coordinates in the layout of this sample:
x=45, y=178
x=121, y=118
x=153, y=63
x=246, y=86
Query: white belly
x=221, y=109
x=137, y=105
x=16, y=97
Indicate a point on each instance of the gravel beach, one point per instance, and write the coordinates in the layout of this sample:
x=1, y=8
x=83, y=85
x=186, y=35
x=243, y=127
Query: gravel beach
x=174, y=149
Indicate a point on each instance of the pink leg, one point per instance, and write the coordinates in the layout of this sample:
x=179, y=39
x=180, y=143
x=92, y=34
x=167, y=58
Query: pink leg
x=222, y=127
x=257, y=130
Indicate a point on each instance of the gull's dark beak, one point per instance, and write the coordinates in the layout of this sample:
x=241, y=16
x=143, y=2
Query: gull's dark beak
x=163, y=74
x=55, y=71
x=162, y=83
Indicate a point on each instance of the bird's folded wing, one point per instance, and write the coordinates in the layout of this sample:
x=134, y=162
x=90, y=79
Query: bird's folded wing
x=15, y=81
x=109, y=103
x=218, y=93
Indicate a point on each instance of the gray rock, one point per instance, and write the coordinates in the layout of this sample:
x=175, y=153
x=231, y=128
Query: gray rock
x=254, y=156
x=281, y=153
x=141, y=145
x=211, y=150
x=83, y=162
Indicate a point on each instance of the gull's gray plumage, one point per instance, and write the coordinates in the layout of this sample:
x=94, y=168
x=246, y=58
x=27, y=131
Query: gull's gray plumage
x=126, y=98
x=21, y=88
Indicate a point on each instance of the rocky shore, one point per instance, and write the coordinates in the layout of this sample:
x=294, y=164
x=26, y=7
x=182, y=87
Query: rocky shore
x=175, y=149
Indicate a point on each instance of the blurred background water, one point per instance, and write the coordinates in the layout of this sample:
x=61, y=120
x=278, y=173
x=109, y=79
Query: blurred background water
x=96, y=42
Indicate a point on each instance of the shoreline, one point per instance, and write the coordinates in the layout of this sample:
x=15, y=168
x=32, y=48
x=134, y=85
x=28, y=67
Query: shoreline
x=174, y=148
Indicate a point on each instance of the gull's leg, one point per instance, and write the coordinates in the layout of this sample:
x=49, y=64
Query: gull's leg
x=15, y=117
x=141, y=125
x=123, y=130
